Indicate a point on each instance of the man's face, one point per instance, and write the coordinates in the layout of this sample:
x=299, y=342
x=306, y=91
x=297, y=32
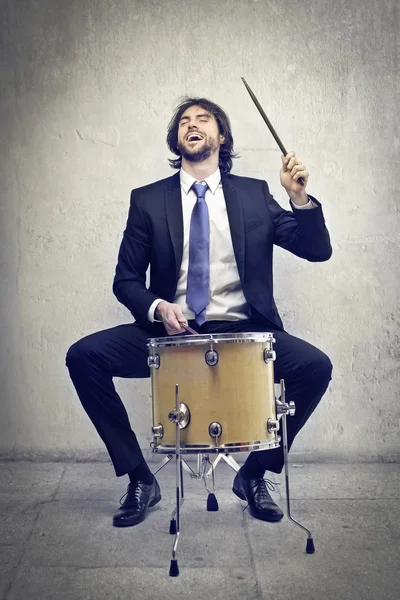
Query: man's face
x=198, y=134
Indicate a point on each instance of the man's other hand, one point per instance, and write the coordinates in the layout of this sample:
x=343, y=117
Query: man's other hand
x=171, y=315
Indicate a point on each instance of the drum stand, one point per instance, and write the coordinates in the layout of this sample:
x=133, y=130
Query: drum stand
x=283, y=409
x=281, y=404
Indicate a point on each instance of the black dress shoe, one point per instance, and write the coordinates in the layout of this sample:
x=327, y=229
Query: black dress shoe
x=139, y=497
x=260, y=502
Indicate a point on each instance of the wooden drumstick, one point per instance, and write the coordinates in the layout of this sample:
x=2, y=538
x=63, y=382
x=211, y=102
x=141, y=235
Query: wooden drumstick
x=189, y=329
x=269, y=124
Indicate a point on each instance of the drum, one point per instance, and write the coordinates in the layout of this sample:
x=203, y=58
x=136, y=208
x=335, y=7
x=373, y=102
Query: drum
x=226, y=392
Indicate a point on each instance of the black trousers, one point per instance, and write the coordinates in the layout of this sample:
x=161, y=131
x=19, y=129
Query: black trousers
x=121, y=351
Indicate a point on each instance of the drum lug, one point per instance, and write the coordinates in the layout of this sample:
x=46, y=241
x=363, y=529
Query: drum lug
x=181, y=416
x=269, y=355
x=211, y=357
x=153, y=361
x=158, y=432
x=272, y=425
x=215, y=430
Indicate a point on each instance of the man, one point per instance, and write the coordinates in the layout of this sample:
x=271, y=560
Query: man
x=208, y=237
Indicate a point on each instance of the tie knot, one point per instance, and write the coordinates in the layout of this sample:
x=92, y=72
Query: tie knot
x=200, y=189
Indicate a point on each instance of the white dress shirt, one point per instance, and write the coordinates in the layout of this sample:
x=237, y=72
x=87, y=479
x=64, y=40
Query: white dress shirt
x=227, y=301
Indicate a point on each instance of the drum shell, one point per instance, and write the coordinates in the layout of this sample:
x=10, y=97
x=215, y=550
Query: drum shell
x=238, y=393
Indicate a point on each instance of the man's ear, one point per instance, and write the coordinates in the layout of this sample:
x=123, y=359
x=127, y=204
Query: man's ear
x=221, y=139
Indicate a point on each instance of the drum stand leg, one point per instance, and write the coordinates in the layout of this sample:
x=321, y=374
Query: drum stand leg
x=173, y=522
x=166, y=460
x=175, y=416
x=231, y=462
x=228, y=459
x=186, y=467
x=310, y=549
x=212, y=503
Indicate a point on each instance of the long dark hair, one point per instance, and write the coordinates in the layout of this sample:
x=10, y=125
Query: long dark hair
x=226, y=152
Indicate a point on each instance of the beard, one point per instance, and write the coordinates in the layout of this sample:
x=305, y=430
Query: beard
x=201, y=154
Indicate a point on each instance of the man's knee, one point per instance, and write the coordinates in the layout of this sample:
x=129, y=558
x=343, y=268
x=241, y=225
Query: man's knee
x=78, y=354
x=323, y=367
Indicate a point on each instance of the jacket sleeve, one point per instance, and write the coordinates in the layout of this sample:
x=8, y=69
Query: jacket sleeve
x=133, y=260
x=302, y=232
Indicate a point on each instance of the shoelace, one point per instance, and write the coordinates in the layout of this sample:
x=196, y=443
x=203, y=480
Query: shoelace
x=129, y=491
x=256, y=488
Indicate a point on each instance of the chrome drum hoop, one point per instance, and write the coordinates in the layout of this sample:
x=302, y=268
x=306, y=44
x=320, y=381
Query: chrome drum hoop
x=197, y=340
x=226, y=448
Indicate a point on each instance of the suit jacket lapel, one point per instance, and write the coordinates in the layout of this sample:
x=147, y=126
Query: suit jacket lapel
x=173, y=206
x=236, y=222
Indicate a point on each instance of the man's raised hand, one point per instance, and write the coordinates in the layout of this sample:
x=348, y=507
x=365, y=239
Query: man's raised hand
x=292, y=170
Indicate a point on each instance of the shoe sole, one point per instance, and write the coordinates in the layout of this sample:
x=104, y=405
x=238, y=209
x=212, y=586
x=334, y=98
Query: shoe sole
x=241, y=495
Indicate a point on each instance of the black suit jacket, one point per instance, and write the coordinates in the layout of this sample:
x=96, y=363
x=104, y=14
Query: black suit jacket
x=154, y=236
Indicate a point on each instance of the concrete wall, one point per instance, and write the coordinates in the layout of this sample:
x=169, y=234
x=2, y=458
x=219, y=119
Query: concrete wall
x=88, y=88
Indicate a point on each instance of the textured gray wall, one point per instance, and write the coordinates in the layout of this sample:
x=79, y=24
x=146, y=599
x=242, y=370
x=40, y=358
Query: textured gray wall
x=88, y=87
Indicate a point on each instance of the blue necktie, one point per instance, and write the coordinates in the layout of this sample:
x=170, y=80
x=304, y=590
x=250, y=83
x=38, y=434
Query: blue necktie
x=198, y=280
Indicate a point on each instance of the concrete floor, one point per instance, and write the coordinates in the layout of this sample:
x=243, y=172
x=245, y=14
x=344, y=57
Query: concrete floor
x=57, y=539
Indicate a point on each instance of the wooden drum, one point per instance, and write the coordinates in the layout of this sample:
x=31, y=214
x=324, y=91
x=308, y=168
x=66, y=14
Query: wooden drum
x=226, y=392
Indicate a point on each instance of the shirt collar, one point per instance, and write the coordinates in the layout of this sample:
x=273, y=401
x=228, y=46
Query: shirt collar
x=212, y=181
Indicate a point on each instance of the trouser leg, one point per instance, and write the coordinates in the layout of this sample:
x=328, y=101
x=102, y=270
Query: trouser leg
x=307, y=372
x=93, y=361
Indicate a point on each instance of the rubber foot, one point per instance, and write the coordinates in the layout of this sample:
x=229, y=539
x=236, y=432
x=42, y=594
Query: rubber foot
x=212, y=504
x=172, y=527
x=174, y=569
x=310, y=548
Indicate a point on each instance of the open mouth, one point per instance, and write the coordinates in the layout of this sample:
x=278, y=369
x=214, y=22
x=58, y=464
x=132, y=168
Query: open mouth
x=194, y=137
